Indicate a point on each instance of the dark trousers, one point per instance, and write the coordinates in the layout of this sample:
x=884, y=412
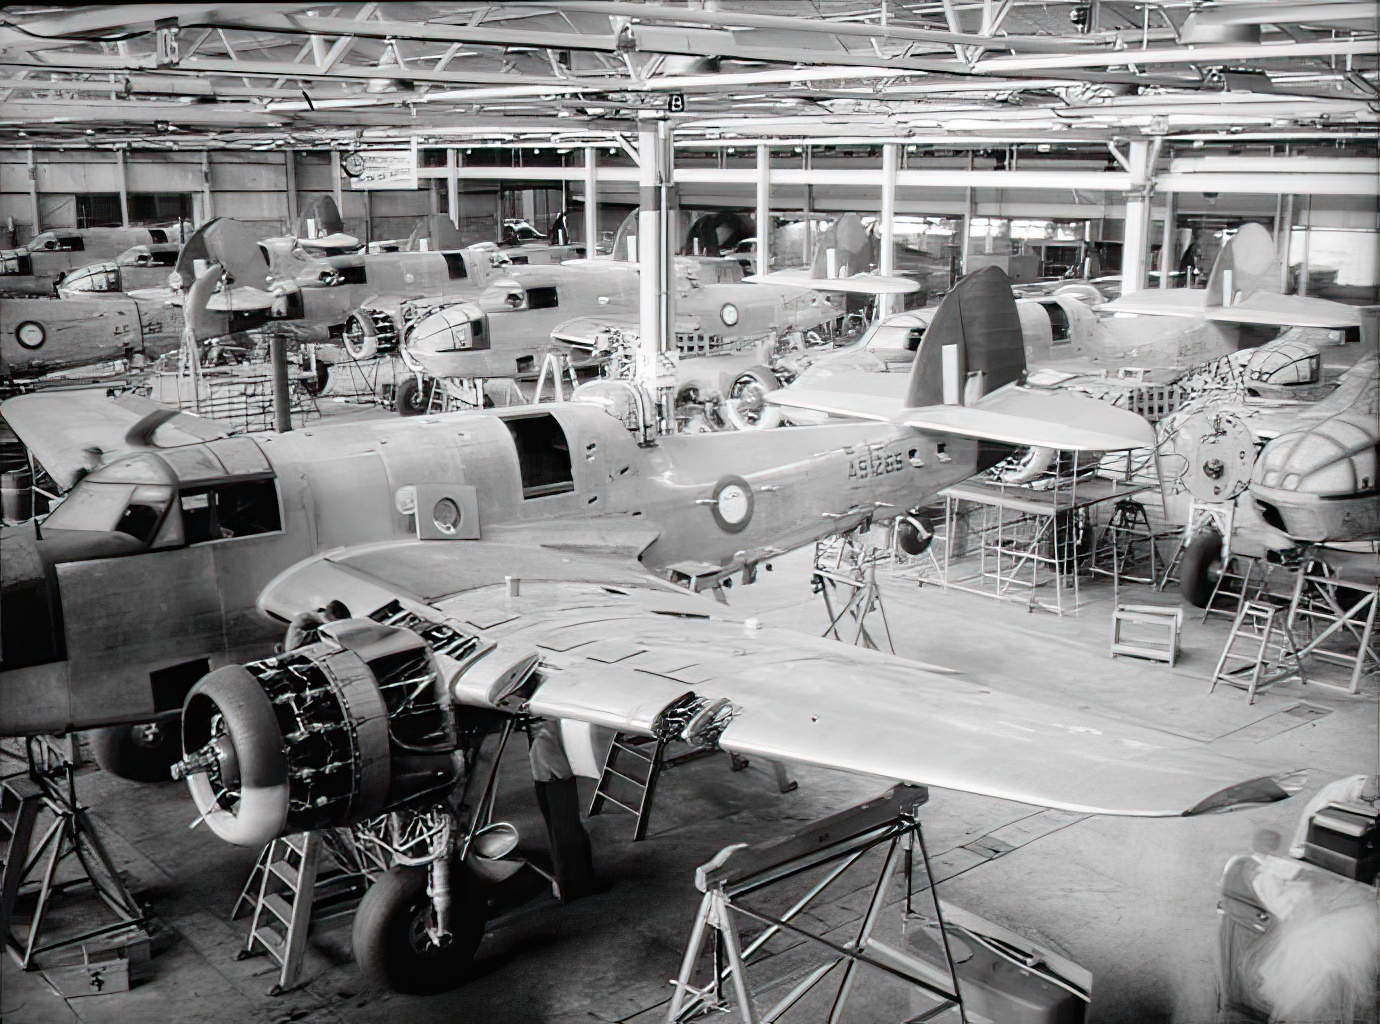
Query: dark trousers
x=572, y=857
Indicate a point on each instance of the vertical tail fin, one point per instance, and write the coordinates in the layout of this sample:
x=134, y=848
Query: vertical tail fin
x=319, y=218
x=232, y=245
x=973, y=345
x=1246, y=264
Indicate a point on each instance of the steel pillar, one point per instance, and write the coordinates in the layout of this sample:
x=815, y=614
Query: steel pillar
x=653, y=249
x=208, y=200
x=591, y=201
x=290, y=166
x=123, y=187
x=763, y=209
x=887, y=258
x=1168, y=264
x=1133, y=249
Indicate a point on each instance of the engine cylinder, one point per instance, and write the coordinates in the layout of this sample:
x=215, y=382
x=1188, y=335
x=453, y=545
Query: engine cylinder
x=331, y=734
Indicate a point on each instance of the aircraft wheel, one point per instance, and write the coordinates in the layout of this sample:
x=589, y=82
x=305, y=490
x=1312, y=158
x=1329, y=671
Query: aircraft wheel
x=139, y=753
x=360, y=337
x=1200, y=567
x=413, y=398
x=746, y=403
x=315, y=385
x=914, y=533
x=390, y=939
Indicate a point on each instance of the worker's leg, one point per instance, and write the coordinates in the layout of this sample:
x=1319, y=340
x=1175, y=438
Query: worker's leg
x=559, y=799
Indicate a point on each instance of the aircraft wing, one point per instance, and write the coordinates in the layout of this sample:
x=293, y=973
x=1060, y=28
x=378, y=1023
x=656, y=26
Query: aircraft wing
x=856, y=284
x=857, y=394
x=69, y=431
x=617, y=648
x=1267, y=308
x=1042, y=419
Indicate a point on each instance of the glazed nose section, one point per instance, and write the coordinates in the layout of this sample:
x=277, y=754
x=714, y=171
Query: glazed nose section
x=1337, y=457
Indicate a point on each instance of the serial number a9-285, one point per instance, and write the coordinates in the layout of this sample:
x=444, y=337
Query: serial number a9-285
x=874, y=464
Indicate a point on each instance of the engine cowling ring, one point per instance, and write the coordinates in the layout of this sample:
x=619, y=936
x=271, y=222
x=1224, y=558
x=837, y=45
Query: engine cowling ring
x=249, y=755
x=328, y=735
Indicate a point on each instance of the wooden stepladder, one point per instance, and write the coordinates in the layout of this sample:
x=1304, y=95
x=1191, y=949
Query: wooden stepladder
x=1247, y=660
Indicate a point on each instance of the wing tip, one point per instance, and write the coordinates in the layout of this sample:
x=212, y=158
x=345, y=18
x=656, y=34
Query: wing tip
x=1266, y=789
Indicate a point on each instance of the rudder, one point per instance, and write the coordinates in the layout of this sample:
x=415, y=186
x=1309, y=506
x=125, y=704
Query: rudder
x=974, y=344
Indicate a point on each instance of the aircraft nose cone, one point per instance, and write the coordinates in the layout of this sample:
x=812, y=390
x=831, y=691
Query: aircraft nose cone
x=1335, y=457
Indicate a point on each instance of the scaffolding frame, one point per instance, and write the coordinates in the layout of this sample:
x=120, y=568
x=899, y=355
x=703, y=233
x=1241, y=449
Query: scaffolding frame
x=1027, y=539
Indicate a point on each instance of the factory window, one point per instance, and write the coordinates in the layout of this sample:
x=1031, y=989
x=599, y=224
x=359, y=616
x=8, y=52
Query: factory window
x=543, y=455
x=160, y=207
x=240, y=509
x=98, y=210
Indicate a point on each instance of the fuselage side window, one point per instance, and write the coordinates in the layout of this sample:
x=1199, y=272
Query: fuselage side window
x=543, y=455
x=240, y=509
x=1060, y=330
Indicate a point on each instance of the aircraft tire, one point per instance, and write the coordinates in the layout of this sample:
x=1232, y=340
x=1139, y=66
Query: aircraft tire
x=744, y=407
x=361, y=337
x=390, y=941
x=138, y=753
x=1200, y=566
x=317, y=384
x=411, y=398
x=914, y=533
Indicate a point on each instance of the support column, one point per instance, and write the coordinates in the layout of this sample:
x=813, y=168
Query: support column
x=290, y=163
x=337, y=184
x=653, y=255
x=1284, y=238
x=1168, y=240
x=123, y=187
x=809, y=210
x=453, y=185
x=208, y=199
x=591, y=201
x=1137, y=231
x=886, y=261
x=763, y=209
x=37, y=218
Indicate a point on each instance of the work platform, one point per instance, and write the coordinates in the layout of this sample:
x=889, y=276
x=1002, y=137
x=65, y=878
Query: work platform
x=1030, y=545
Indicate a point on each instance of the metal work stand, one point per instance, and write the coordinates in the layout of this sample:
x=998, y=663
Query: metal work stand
x=849, y=563
x=1344, y=612
x=34, y=855
x=832, y=852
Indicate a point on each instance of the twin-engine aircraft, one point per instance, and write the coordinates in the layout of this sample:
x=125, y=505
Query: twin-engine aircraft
x=37, y=266
x=535, y=561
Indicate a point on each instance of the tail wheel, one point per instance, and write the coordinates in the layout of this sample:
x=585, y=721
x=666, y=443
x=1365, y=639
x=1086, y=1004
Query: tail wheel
x=393, y=940
x=228, y=718
x=139, y=753
x=746, y=406
x=412, y=397
x=1200, y=567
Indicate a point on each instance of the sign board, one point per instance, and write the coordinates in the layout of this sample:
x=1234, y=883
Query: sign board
x=373, y=169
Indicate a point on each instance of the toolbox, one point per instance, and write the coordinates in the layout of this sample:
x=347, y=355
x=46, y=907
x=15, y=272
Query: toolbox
x=1345, y=838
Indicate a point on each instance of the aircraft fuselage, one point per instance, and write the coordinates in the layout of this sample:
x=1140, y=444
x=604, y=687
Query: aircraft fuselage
x=133, y=621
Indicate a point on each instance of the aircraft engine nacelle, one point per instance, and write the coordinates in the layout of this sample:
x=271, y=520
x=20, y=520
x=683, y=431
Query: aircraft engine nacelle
x=331, y=734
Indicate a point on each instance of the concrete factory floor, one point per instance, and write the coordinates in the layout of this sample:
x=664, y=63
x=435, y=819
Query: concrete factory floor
x=1132, y=900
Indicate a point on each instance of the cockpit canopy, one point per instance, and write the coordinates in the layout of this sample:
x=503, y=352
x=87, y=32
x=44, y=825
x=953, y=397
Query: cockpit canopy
x=94, y=277
x=172, y=498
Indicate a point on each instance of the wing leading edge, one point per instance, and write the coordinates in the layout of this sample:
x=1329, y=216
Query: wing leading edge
x=616, y=651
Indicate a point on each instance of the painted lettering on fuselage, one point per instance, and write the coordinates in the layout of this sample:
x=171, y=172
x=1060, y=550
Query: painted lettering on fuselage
x=871, y=465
